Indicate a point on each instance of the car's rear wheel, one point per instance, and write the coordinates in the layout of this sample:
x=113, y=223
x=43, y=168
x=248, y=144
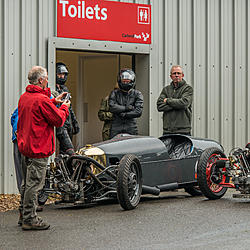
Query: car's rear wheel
x=129, y=182
x=205, y=167
x=194, y=191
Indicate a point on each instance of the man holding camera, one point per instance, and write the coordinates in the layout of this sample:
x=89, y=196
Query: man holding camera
x=37, y=117
x=65, y=133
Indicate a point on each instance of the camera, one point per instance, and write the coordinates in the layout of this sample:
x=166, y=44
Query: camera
x=67, y=97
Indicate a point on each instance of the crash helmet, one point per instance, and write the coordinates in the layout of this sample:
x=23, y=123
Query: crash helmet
x=126, y=74
x=60, y=69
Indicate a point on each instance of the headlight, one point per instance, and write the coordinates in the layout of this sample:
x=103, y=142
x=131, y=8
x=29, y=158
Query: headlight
x=94, y=151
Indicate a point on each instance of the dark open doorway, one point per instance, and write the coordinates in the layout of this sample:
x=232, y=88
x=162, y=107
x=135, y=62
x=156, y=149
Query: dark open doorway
x=92, y=76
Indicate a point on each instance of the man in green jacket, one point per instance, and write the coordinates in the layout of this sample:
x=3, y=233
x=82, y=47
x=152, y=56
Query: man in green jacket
x=175, y=101
x=106, y=116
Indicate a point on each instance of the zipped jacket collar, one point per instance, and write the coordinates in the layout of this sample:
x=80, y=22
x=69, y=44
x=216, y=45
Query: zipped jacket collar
x=180, y=84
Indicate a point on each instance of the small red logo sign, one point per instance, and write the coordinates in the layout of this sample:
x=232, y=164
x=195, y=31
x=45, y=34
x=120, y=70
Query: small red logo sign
x=143, y=15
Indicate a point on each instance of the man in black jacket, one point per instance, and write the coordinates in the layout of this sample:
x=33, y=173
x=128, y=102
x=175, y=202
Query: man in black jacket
x=65, y=133
x=126, y=104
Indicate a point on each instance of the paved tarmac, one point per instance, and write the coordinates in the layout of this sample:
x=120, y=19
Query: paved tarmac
x=173, y=221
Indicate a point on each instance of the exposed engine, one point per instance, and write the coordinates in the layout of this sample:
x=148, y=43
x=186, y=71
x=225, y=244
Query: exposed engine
x=234, y=171
x=80, y=179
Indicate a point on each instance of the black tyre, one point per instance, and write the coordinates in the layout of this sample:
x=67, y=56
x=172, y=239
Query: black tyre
x=129, y=182
x=42, y=197
x=205, y=166
x=194, y=191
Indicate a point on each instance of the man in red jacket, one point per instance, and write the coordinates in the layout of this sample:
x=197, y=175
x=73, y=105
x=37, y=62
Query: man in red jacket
x=37, y=117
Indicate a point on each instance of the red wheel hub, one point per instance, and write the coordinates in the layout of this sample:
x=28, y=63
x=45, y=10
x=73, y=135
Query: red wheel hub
x=211, y=161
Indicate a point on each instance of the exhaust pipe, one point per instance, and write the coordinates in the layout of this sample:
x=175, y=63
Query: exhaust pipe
x=167, y=187
x=150, y=190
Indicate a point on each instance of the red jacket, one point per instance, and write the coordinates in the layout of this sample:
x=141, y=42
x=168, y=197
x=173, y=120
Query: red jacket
x=37, y=116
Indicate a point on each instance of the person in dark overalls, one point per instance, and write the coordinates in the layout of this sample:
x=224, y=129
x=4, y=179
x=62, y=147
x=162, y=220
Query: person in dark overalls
x=65, y=133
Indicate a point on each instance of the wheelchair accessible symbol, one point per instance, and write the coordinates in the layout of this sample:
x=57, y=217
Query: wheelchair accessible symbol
x=143, y=15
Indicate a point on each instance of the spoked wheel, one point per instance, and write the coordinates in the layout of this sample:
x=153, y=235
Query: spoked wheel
x=205, y=167
x=129, y=182
x=42, y=197
x=194, y=191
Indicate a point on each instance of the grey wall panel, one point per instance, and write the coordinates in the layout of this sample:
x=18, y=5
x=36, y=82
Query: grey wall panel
x=227, y=100
x=1, y=93
x=156, y=66
x=248, y=73
x=23, y=43
x=171, y=35
x=199, y=70
x=185, y=40
x=213, y=70
x=46, y=27
x=240, y=81
x=11, y=69
x=28, y=39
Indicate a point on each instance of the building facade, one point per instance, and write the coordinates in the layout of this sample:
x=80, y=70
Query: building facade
x=209, y=38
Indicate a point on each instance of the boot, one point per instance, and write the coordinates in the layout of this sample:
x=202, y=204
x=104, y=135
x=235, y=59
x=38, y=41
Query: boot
x=38, y=225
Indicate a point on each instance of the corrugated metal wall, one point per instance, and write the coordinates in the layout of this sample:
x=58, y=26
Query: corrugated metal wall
x=209, y=38
x=25, y=27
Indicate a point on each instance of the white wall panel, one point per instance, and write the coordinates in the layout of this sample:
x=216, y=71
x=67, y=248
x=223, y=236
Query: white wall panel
x=25, y=28
x=240, y=80
x=213, y=70
x=11, y=74
x=248, y=73
x=1, y=93
x=185, y=41
x=46, y=28
x=157, y=71
x=200, y=38
x=227, y=52
x=28, y=39
x=171, y=35
x=209, y=38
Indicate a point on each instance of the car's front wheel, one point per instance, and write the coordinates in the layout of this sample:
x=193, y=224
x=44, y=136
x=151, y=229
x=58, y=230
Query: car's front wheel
x=129, y=182
x=205, y=168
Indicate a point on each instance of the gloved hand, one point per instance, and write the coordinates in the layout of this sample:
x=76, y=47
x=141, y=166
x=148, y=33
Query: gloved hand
x=129, y=108
x=76, y=128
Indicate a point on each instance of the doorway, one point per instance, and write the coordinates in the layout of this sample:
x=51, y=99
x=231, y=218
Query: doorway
x=92, y=76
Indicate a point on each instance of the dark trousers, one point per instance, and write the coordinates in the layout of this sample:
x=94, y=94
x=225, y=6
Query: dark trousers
x=18, y=166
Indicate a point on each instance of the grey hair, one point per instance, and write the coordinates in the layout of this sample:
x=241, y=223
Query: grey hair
x=176, y=66
x=36, y=73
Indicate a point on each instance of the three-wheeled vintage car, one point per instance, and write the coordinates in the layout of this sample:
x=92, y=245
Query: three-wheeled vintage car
x=126, y=167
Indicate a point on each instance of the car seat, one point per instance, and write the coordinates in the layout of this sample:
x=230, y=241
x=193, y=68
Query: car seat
x=180, y=150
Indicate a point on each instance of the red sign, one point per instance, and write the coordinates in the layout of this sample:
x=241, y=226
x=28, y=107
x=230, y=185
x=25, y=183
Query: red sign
x=104, y=20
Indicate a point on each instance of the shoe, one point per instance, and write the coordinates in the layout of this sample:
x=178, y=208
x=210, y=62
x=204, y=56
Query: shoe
x=39, y=208
x=39, y=225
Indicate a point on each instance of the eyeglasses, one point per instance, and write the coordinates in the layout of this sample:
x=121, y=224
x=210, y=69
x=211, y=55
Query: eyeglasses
x=176, y=73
